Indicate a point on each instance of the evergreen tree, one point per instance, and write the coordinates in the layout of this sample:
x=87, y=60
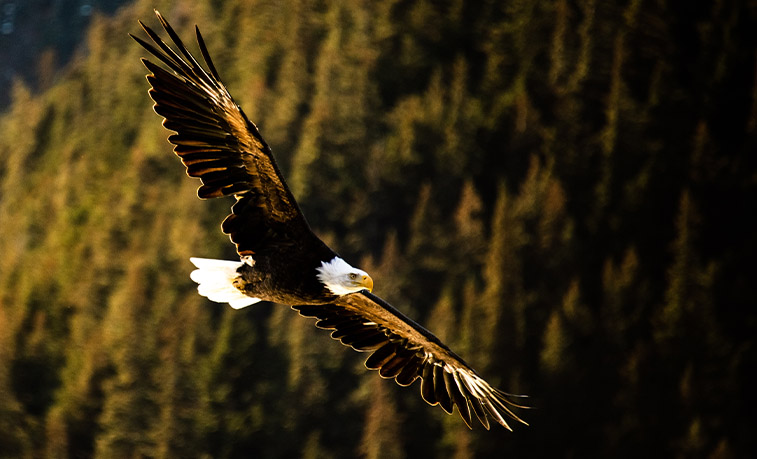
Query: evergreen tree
x=612, y=278
x=502, y=300
x=336, y=136
x=382, y=434
x=129, y=407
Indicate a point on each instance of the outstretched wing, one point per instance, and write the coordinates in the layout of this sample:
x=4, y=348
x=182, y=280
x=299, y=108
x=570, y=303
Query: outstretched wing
x=218, y=144
x=405, y=351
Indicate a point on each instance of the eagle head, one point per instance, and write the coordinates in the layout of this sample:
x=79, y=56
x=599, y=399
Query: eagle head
x=341, y=278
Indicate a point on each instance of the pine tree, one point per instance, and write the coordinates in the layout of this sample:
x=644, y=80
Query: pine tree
x=681, y=295
x=233, y=391
x=623, y=292
x=129, y=408
x=181, y=412
x=689, y=337
x=427, y=247
x=336, y=133
x=13, y=422
x=382, y=432
x=501, y=318
x=612, y=279
x=556, y=342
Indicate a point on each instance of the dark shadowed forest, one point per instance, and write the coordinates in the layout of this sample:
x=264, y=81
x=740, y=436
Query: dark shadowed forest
x=564, y=191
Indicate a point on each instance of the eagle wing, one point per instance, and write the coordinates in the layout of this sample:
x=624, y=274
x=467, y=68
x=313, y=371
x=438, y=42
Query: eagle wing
x=405, y=351
x=217, y=143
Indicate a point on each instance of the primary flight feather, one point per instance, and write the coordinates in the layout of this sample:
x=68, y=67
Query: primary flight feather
x=281, y=259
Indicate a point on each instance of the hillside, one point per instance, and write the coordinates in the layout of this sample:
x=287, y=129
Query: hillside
x=36, y=54
x=562, y=191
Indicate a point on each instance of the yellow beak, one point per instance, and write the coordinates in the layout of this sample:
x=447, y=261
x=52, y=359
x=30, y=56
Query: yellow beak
x=367, y=283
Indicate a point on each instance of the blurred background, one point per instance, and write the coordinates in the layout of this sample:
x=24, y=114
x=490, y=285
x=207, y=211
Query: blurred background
x=564, y=191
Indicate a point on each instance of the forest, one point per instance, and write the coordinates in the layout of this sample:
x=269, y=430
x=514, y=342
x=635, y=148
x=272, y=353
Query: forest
x=563, y=191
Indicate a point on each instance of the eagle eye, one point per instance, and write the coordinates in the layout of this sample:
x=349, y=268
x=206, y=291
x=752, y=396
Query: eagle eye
x=353, y=276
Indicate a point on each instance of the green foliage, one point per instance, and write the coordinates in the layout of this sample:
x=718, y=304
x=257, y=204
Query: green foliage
x=382, y=437
x=561, y=190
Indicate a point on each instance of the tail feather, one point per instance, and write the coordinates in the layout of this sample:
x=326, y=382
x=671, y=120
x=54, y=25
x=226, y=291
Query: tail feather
x=216, y=282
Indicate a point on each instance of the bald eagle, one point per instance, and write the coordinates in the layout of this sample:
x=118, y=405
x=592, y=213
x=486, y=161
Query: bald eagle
x=281, y=259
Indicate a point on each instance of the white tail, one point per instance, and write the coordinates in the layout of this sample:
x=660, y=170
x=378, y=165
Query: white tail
x=216, y=279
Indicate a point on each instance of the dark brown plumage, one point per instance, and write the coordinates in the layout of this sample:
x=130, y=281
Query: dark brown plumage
x=405, y=351
x=282, y=259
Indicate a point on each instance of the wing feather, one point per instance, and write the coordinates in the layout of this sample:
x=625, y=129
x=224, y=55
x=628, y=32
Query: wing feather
x=370, y=344
x=427, y=384
x=440, y=389
x=409, y=373
x=394, y=366
x=456, y=395
x=405, y=351
x=218, y=144
x=381, y=356
x=361, y=335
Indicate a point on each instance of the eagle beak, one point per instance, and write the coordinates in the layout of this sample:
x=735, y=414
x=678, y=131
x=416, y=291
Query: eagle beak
x=367, y=282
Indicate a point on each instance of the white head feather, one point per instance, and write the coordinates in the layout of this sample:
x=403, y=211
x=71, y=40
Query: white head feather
x=342, y=279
